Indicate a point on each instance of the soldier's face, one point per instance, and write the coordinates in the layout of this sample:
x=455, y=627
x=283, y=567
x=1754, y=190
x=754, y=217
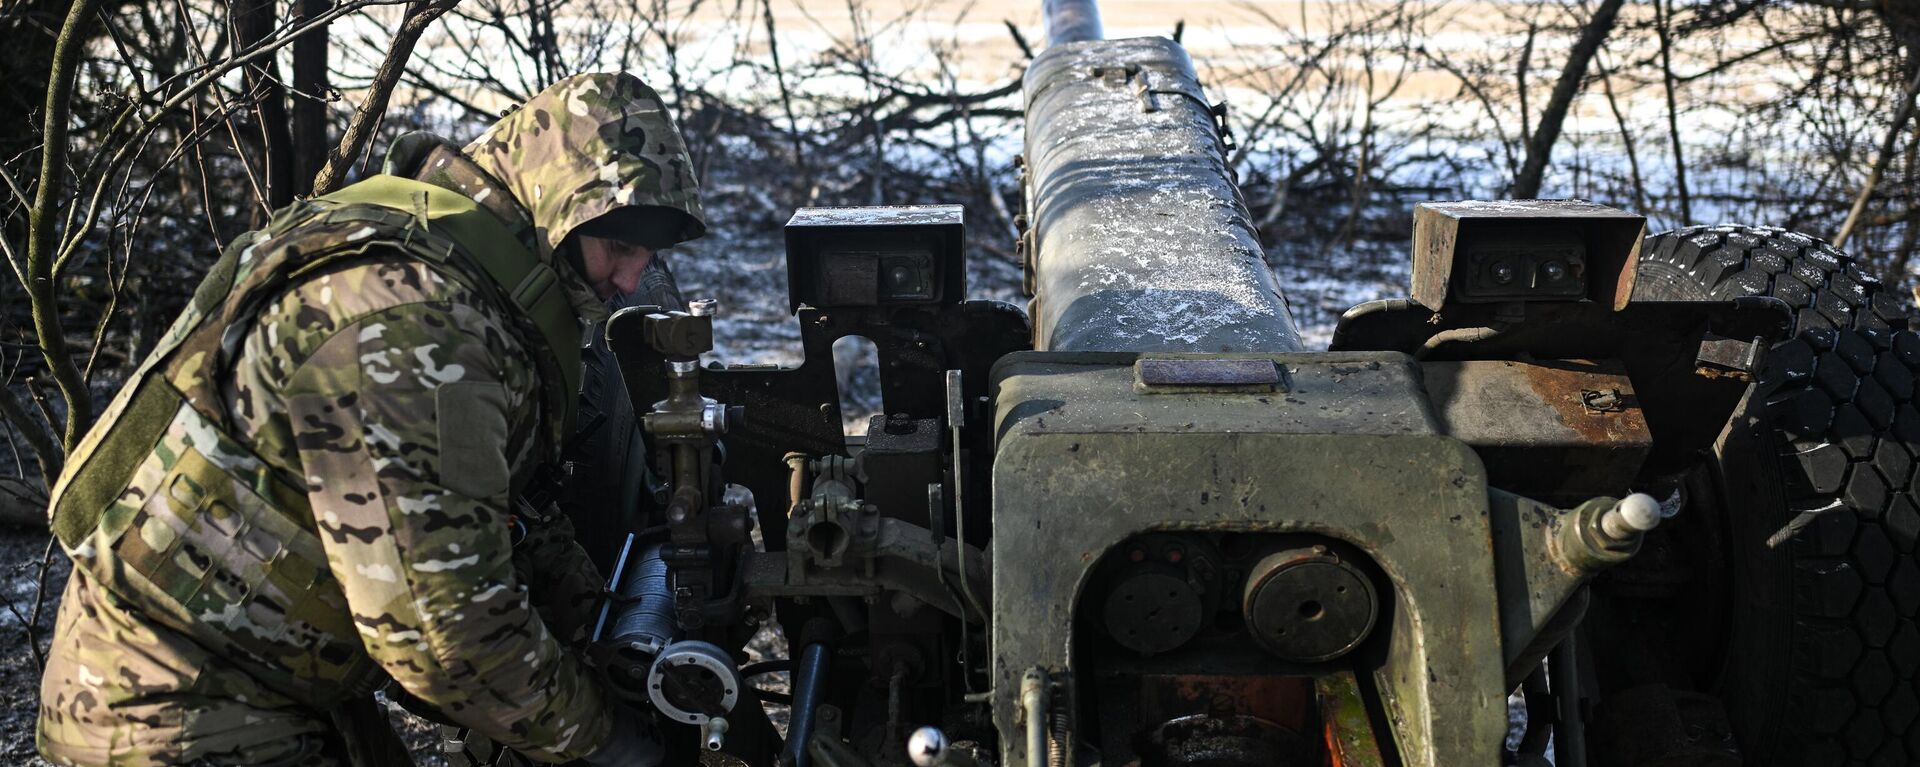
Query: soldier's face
x=613, y=267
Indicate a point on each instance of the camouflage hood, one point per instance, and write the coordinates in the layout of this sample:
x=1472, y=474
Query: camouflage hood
x=589, y=145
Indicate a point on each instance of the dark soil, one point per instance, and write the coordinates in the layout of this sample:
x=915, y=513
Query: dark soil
x=29, y=597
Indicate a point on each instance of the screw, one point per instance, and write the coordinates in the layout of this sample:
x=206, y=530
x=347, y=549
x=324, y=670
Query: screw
x=1502, y=272
x=1554, y=271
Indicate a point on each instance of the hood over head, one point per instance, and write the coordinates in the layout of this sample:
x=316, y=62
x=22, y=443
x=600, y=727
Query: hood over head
x=590, y=145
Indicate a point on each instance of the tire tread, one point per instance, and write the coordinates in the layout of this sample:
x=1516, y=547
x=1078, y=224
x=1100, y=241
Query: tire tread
x=1841, y=397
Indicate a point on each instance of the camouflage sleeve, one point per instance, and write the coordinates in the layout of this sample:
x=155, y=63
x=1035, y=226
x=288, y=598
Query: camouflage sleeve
x=564, y=584
x=403, y=422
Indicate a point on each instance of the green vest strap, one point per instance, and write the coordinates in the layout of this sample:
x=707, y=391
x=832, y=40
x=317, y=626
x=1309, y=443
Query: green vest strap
x=527, y=280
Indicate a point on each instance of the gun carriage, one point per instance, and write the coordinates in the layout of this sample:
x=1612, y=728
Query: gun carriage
x=1136, y=522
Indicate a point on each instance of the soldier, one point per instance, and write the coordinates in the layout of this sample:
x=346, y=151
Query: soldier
x=304, y=492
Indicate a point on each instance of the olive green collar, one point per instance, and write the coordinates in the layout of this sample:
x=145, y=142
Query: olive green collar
x=426, y=157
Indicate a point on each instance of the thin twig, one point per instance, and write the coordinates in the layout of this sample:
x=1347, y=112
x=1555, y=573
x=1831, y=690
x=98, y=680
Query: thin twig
x=40, y=581
x=212, y=73
x=366, y=119
x=46, y=451
x=33, y=641
x=1880, y=162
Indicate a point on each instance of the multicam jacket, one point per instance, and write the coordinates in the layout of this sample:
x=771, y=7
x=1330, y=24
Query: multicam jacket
x=328, y=506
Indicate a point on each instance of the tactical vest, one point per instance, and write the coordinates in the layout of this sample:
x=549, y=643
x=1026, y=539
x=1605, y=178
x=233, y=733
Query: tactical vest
x=165, y=509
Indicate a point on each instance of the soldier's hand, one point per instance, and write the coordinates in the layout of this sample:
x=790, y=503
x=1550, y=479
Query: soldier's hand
x=562, y=582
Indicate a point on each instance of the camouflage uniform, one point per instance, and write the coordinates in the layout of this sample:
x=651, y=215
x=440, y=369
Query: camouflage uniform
x=228, y=622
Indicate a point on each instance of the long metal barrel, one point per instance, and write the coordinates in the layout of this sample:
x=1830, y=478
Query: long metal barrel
x=1141, y=242
x=1072, y=21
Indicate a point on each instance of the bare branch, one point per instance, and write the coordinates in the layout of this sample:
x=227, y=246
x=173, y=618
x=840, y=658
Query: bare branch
x=366, y=119
x=1879, y=168
x=1572, y=77
x=46, y=453
x=40, y=244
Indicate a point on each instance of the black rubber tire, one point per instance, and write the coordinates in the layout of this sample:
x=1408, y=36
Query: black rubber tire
x=1823, y=654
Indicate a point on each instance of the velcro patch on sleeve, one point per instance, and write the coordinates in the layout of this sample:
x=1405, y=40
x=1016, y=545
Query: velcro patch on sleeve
x=472, y=417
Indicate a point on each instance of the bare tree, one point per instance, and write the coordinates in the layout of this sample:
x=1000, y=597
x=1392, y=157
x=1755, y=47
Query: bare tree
x=1572, y=78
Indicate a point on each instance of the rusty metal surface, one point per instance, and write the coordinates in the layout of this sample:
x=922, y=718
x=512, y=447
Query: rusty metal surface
x=1283, y=700
x=1554, y=430
x=1730, y=357
x=1141, y=241
x=1084, y=464
x=1657, y=342
x=1344, y=723
x=1225, y=741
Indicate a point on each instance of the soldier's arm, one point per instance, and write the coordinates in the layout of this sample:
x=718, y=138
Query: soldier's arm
x=402, y=423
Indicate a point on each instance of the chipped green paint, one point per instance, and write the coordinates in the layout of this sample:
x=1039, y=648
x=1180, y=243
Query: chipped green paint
x=1343, y=715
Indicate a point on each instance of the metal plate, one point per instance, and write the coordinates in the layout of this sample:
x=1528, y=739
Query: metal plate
x=1085, y=463
x=1160, y=373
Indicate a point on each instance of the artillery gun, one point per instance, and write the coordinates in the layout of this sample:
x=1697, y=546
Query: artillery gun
x=1138, y=524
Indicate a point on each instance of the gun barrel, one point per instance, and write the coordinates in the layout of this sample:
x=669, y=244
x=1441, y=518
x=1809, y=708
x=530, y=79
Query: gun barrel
x=1141, y=242
x=1072, y=21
